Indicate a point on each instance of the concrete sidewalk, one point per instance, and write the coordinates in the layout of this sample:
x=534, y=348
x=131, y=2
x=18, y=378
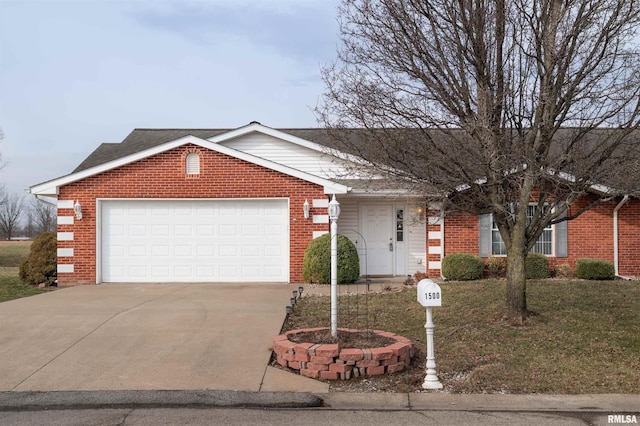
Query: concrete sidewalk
x=606, y=403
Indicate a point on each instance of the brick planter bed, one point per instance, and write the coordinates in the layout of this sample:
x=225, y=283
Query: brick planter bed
x=329, y=362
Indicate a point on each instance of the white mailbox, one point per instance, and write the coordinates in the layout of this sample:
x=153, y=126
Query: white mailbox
x=429, y=293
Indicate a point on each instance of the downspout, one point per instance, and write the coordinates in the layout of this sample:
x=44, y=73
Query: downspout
x=615, y=235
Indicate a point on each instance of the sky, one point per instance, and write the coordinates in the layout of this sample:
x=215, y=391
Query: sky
x=74, y=74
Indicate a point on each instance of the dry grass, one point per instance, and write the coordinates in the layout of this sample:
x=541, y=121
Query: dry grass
x=585, y=338
x=12, y=254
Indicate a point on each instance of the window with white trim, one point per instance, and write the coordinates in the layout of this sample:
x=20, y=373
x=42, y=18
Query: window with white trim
x=193, y=164
x=544, y=245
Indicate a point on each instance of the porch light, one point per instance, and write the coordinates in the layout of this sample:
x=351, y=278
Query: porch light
x=306, y=207
x=77, y=209
x=334, y=208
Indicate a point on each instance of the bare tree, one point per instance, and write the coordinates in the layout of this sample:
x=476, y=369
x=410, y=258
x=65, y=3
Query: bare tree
x=11, y=208
x=488, y=106
x=1, y=138
x=42, y=217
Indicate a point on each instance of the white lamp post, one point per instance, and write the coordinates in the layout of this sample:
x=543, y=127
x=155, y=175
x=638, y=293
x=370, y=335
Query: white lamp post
x=334, y=213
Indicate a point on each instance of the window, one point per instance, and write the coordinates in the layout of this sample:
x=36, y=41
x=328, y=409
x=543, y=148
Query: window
x=400, y=225
x=193, y=164
x=544, y=245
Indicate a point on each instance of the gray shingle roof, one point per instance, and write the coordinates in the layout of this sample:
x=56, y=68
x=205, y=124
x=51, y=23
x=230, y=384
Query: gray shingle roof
x=141, y=139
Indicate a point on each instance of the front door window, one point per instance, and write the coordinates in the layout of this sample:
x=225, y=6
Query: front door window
x=400, y=225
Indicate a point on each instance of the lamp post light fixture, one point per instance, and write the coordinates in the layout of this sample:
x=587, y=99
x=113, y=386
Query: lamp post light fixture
x=300, y=290
x=306, y=207
x=334, y=213
x=295, y=294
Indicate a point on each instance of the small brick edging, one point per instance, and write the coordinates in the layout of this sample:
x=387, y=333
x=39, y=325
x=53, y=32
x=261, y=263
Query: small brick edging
x=329, y=362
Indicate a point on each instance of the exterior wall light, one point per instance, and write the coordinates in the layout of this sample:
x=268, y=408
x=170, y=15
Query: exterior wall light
x=77, y=209
x=306, y=207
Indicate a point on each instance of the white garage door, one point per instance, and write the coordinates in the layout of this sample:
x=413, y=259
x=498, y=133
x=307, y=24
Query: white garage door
x=195, y=241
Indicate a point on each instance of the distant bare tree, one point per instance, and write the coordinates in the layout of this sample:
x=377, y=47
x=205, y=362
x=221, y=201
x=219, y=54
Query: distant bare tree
x=488, y=106
x=42, y=217
x=11, y=208
x=1, y=138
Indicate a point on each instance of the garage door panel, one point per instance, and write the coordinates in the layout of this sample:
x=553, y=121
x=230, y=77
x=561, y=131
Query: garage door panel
x=213, y=241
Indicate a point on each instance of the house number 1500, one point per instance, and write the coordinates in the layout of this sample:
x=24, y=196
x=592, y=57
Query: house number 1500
x=432, y=296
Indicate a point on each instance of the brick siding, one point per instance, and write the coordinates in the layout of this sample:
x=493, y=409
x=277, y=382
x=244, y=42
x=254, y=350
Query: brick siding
x=589, y=236
x=163, y=176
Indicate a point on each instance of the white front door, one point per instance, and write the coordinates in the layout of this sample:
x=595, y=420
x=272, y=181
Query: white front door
x=377, y=230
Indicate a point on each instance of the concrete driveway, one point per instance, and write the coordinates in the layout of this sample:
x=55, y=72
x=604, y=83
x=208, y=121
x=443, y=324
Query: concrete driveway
x=146, y=336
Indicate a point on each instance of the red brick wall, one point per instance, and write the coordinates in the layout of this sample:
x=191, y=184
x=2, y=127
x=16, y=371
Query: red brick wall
x=629, y=239
x=163, y=176
x=589, y=236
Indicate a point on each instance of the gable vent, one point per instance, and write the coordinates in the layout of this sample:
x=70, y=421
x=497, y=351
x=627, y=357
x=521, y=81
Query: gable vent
x=193, y=164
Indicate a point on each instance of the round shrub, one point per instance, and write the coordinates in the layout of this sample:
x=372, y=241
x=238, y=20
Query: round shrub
x=496, y=267
x=462, y=267
x=536, y=266
x=562, y=270
x=316, y=266
x=41, y=264
x=595, y=269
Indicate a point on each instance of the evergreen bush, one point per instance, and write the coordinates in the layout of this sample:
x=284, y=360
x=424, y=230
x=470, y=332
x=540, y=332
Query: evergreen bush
x=462, y=267
x=536, y=266
x=41, y=264
x=595, y=269
x=316, y=266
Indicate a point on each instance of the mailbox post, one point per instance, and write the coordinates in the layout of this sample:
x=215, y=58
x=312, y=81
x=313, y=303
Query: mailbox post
x=430, y=295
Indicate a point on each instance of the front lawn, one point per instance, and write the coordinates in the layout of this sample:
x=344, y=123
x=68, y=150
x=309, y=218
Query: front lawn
x=585, y=338
x=12, y=254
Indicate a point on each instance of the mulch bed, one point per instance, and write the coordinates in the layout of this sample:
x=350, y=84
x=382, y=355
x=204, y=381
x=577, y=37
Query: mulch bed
x=345, y=339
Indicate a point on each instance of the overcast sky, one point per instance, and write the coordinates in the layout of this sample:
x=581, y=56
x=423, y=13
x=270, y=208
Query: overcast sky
x=74, y=74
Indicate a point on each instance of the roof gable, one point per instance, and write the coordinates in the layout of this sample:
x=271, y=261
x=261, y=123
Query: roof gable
x=122, y=154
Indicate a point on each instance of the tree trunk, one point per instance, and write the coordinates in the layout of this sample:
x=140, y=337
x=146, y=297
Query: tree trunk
x=516, y=302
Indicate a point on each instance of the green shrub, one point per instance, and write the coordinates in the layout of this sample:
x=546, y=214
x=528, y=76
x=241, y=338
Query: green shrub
x=496, y=267
x=316, y=266
x=595, y=269
x=462, y=267
x=536, y=266
x=41, y=264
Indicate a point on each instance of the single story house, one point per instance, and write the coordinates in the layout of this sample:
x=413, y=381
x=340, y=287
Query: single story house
x=241, y=205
